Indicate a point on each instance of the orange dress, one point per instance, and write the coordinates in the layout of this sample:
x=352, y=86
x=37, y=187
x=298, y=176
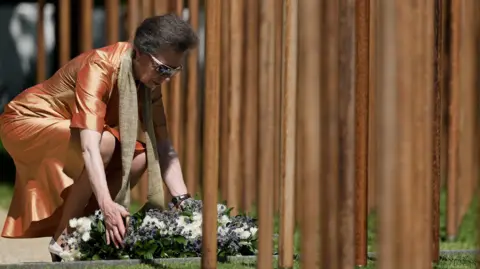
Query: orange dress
x=35, y=129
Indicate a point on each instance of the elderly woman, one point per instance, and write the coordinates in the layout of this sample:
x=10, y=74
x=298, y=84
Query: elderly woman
x=90, y=130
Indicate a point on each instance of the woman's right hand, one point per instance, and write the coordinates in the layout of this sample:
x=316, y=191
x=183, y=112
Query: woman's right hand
x=113, y=215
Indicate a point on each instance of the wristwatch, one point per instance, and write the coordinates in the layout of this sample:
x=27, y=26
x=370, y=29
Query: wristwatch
x=177, y=200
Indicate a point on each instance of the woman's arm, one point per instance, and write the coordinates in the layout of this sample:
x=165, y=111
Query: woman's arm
x=170, y=166
x=169, y=162
x=90, y=143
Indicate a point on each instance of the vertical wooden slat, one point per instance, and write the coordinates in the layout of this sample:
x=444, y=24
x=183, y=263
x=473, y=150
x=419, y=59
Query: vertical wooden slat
x=147, y=9
x=278, y=7
x=64, y=26
x=192, y=128
x=133, y=17
x=347, y=124
x=267, y=133
x=453, y=132
x=425, y=126
x=329, y=150
x=236, y=87
x=224, y=98
x=250, y=118
x=176, y=116
x=309, y=68
x=405, y=133
x=211, y=133
x=438, y=121
x=86, y=25
x=372, y=142
x=112, y=10
x=160, y=7
x=362, y=63
x=289, y=100
x=41, y=52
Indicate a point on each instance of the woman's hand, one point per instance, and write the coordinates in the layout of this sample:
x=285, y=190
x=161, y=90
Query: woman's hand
x=115, y=229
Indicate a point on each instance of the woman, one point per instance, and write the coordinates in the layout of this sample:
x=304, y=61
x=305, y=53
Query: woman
x=82, y=136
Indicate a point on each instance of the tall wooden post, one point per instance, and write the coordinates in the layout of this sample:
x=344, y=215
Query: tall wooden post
x=362, y=63
x=453, y=130
x=267, y=132
x=224, y=97
x=112, y=10
x=235, y=89
x=288, y=134
x=86, y=25
x=309, y=127
x=250, y=116
x=65, y=35
x=211, y=134
x=41, y=52
x=346, y=132
x=404, y=105
x=192, y=128
x=329, y=147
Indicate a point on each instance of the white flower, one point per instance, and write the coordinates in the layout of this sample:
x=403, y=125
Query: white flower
x=253, y=231
x=238, y=231
x=223, y=231
x=196, y=217
x=181, y=221
x=86, y=236
x=71, y=241
x=66, y=256
x=245, y=235
x=73, y=223
x=221, y=208
x=161, y=225
x=224, y=220
x=84, y=225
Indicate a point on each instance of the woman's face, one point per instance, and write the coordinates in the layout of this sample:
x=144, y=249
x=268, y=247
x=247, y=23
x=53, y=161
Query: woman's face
x=153, y=69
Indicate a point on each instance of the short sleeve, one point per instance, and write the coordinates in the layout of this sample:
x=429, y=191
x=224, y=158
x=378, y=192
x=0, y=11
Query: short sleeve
x=94, y=82
x=159, y=119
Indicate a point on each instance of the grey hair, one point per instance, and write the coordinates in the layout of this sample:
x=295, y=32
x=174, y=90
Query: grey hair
x=164, y=32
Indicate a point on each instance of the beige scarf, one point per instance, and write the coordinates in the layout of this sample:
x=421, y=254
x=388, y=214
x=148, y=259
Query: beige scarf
x=129, y=124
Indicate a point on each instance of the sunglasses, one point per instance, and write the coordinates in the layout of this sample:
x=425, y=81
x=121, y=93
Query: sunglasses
x=163, y=69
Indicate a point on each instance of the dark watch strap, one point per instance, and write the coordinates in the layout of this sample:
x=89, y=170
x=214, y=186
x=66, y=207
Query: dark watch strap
x=180, y=198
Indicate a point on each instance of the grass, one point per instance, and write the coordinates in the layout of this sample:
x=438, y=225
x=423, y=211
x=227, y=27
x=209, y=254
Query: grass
x=466, y=238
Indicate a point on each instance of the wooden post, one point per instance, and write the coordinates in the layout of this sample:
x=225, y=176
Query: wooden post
x=176, y=103
x=160, y=7
x=250, y=117
x=133, y=17
x=440, y=6
x=147, y=9
x=309, y=125
x=211, y=134
x=192, y=129
x=267, y=132
x=236, y=87
x=64, y=26
x=278, y=9
x=453, y=132
x=347, y=124
x=329, y=148
x=405, y=51
x=86, y=25
x=224, y=97
x=41, y=52
x=112, y=10
x=362, y=63
x=288, y=135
